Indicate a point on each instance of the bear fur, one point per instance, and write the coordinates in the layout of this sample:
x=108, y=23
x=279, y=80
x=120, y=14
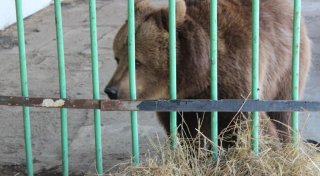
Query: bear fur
x=193, y=63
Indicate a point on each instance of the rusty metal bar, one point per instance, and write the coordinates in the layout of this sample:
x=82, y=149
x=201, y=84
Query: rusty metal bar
x=165, y=105
x=49, y=102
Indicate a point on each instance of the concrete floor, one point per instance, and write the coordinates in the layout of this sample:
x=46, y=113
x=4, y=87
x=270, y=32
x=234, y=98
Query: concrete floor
x=43, y=81
x=310, y=122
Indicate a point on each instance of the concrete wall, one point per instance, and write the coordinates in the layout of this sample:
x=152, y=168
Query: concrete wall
x=8, y=12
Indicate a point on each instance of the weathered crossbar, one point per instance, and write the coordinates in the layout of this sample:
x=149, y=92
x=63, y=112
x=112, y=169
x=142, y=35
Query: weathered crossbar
x=165, y=105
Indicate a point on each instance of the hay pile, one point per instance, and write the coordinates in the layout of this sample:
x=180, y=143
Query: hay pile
x=190, y=159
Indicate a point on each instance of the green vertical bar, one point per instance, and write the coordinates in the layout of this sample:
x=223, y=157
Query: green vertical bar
x=255, y=73
x=295, y=68
x=132, y=80
x=95, y=84
x=214, y=72
x=173, y=72
x=24, y=87
x=62, y=84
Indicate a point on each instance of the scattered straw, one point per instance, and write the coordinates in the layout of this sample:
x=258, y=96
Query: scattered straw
x=189, y=159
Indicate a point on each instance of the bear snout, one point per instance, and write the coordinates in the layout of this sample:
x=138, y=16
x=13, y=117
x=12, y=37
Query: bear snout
x=112, y=92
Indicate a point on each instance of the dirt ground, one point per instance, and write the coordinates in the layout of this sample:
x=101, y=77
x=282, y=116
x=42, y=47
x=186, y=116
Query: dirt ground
x=43, y=81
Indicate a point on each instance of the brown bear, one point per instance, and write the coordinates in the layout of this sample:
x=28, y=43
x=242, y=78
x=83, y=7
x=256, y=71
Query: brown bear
x=193, y=64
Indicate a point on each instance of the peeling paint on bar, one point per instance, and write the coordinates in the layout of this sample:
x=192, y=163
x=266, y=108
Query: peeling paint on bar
x=51, y=103
x=165, y=105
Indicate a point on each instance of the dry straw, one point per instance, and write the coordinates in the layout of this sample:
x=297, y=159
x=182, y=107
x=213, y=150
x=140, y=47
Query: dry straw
x=191, y=158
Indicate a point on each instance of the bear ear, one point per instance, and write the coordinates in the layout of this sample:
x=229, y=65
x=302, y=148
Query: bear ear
x=142, y=7
x=181, y=10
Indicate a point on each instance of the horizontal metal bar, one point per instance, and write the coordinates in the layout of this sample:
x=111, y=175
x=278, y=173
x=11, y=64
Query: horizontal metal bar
x=50, y=102
x=165, y=105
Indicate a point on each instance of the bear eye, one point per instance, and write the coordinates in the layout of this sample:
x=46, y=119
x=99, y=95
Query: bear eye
x=117, y=60
x=138, y=63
